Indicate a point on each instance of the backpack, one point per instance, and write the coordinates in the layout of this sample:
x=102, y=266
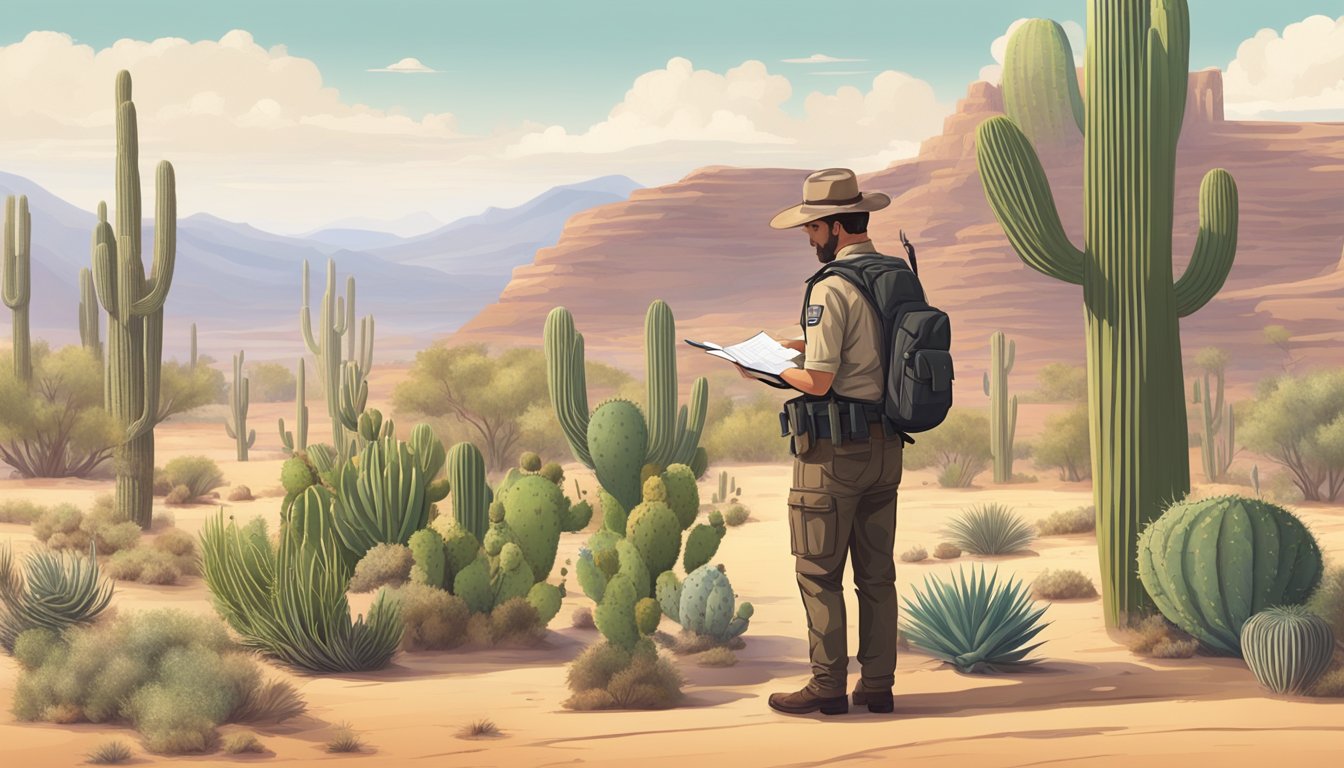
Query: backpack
x=917, y=337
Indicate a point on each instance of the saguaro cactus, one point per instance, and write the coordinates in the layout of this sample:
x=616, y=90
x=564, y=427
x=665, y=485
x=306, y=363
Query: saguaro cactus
x=1219, y=436
x=1040, y=84
x=298, y=440
x=1137, y=61
x=18, y=288
x=192, y=358
x=324, y=342
x=134, y=306
x=88, y=314
x=1002, y=410
x=238, y=401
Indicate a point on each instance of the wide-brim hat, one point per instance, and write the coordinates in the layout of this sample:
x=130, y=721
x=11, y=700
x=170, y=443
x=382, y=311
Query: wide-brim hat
x=827, y=192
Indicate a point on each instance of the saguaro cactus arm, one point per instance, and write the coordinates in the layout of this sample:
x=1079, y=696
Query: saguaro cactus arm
x=1216, y=245
x=1019, y=194
x=165, y=243
x=567, y=380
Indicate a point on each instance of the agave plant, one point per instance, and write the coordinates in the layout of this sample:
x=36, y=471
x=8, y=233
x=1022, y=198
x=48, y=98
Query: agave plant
x=976, y=625
x=56, y=590
x=991, y=529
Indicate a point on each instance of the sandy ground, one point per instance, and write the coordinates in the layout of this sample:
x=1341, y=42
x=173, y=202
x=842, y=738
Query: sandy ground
x=1089, y=702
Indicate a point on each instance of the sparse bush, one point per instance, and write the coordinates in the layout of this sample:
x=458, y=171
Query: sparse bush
x=1330, y=685
x=63, y=520
x=1068, y=521
x=735, y=514
x=170, y=557
x=914, y=554
x=946, y=550
x=242, y=743
x=110, y=753
x=199, y=474
x=717, y=657
x=1065, y=445
x=582, y=618
x=958, y=449
x=748, y=432
x=384, y=565
x=990, y=529
x=180, y=494
x=173, y=676
x=435, y=620
x=1063, y=585
x=1160, y=639
x=1328, y=600
x=1059, y=383
x=608, y=677
x=479, y=729
x=240, y=493
x=1299, y=423
x=271, y=383
x=344, y=740
x=19, y=511
x=514, y=623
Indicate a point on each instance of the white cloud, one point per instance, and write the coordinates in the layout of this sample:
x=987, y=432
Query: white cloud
x=256, y=135
x=1296, y=74
x=409, y=64
x=818, y=58
x=998, y=49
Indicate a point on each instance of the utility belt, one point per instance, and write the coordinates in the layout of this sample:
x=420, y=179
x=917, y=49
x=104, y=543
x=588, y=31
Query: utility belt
x=805, y=420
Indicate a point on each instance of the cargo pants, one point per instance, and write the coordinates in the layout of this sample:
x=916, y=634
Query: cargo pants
x=843, y=504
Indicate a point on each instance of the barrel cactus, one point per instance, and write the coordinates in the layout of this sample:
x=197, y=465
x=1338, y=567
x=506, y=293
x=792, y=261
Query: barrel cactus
x=1210, y=565
x=1287, y=647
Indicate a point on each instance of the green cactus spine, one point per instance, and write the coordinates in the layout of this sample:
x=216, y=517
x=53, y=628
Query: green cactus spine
x=88, y=314
x=17, y=281
x=471, y=495
x=236, y=425
x=1287, y=648
x=1137, y=61
x=134, y=307
x=1212, y=564
x=1002, y=410
x=1040, y=84
x=298, y=439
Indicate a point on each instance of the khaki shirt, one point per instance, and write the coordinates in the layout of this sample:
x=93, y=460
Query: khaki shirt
x=846, y=336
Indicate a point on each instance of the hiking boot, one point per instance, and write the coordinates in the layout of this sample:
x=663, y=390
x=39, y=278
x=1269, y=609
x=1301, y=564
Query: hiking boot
x=805, y=701
x=878, y=700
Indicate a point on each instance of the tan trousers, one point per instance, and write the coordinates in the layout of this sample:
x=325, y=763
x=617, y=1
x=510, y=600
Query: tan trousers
x=843, y=503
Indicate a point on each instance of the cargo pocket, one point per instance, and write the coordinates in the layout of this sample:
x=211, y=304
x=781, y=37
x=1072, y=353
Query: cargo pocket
x=850, y=461
x=812, y=523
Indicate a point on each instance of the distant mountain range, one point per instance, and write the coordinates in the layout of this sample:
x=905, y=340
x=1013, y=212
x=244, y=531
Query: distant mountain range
x=241, y=285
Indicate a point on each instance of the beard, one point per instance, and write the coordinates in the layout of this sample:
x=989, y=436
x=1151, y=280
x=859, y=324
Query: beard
x=826, y=252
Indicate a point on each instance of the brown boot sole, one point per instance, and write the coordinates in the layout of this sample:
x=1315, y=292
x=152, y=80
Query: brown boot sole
x=836, y=706
x=876, y=702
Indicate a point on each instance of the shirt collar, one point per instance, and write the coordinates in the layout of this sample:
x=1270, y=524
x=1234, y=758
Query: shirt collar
x=854, y=249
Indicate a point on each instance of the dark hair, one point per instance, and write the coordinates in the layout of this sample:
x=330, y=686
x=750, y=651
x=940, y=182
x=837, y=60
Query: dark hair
x=855, y=223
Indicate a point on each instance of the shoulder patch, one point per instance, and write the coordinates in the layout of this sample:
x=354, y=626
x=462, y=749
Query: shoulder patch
x=814, y=314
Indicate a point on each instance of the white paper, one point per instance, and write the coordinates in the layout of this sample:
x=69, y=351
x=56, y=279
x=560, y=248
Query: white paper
x=760, y=352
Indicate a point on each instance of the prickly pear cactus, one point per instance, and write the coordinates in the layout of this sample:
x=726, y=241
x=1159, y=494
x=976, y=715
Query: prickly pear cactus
x=472, y=584
x=511, y=577
x=545, y=598
x=428, y=553
x=683, y=495
x=615, y=615
x=707, y=605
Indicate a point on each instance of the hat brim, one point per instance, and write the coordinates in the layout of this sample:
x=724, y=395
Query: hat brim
x=799, y=215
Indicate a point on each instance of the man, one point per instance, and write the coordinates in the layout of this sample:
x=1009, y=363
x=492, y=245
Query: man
x=843, y=497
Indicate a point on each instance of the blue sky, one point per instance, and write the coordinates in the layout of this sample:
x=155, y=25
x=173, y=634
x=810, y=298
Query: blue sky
x=271, y=114
x=568, y=62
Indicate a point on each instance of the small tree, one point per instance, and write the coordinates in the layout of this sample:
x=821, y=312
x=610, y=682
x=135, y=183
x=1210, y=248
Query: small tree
x=1060, y=383
x=1065, y=445
x=1282, y=338
x=747, y=432
x=271, y=383
x=57, y=426
x=1299, y=423
x=958, y=448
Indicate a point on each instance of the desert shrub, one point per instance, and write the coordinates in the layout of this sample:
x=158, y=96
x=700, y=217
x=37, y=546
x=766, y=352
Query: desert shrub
x=1059, y=383
x=717, y=657
x=1299, y=423
x=478, y=729
x=199, y=474
x=240, y=493
x=914, y=554
x=55, y=590
x=990, y=529
x=110, y=753
x=55, y=425
x=343, y=740
x=1158, y=638
x=175, y=677
x=1063, y=585
x=958, y=449
x=161, y=484
x=735, y=514
x=1067, y=521
x=582, y=618
x=241, y=744
x=62, y=520
x=384, y=565
x=946, y=550
x=1065, y=445
x=1330, y=685
x=514, y=623
x=19, y=511
x=748, y=432
x=171, y=556
x=271, y=383
x=1328, y=600
x=974, y=624
x=180, y=494
x=606, y=676
x=434, y=619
